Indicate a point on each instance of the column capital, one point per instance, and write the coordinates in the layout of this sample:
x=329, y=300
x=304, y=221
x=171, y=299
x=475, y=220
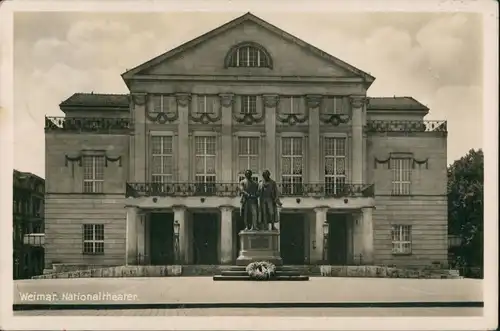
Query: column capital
x=270, y=100
x=313, y=100
x=226, y=99
x=178, y=208
x=139, y=98
x=183, y=99
x=321, y=209
x=358, y=101
x=226, y=208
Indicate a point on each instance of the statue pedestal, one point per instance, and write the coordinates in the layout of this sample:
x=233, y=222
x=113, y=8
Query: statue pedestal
x=262, y=245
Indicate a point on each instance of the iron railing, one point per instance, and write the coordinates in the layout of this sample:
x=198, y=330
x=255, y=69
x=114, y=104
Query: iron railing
x=87, y=124
x=406, y=126
x=232, y=189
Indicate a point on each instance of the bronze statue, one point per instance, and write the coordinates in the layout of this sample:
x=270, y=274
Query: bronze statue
x=268, y=200
x=249, y=208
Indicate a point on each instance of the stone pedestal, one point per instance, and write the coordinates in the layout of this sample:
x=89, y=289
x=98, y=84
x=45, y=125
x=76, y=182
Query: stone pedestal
x=260, y=245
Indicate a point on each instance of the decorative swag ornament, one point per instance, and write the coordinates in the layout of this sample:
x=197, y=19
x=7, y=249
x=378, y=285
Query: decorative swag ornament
x=261, y=270
x=394, y=156
x=79, y=158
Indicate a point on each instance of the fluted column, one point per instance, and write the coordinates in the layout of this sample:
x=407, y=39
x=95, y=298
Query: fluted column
x=367, y=235
x=358, y=112
x=131, y=236
x=226, y=102
x=183, y=102
x=313, y=103
x=139, y=101
x=226, y=235
x=270, y=104
x=317, y=254
x=180, y=216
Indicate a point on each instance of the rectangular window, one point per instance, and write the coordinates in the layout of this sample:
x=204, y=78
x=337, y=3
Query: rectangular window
x=93, y=239
x=207, y=104
x=401, y=175
x=249, y=104
x=248, y=156
x=291, y=165
x=401, y=239
x=332, y=105
x=290, y=105
x=335, y=170
x=205, y=162
x=163, y=103
x=162, y=159
x=93, y=173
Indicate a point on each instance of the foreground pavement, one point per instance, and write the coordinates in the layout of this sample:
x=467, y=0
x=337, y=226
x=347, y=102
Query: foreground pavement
x=203, y=290
x=276, y=312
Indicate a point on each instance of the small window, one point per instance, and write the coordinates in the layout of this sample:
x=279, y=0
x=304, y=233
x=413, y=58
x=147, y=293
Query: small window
x=163, y=103
x=249, y=104
x=93, y=239
x=248, y=55
x=207, y=104
x=401, y=239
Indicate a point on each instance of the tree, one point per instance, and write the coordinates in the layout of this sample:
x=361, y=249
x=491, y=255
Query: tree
x=465, y=209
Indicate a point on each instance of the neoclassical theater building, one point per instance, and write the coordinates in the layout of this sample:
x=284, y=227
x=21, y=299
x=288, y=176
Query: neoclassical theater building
x=151, y=177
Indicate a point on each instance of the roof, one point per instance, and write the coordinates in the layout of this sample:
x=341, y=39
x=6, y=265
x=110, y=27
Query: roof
x=97, y=100
x=395, y=103
x=237, y=21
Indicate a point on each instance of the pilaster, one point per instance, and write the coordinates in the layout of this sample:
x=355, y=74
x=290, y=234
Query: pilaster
x=358, y=104
x=180, y=216
x=270, y=104
x=139, y=104
x=131, y=236
x=141, y=237
x=226, y=103
x=226, y=235
x=317, y=254
x=367, y=233
x=313, y=103
x=183, y=103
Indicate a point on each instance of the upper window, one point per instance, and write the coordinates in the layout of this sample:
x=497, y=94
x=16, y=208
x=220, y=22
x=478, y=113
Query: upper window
x=248, y=55
x=93, y=173
x=401, y=175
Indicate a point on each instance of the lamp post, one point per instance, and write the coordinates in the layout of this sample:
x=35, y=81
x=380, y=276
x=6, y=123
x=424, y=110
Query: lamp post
x=326, y=229
x=177, y=228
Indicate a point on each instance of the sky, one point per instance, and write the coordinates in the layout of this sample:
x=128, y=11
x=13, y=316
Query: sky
x=434, y=57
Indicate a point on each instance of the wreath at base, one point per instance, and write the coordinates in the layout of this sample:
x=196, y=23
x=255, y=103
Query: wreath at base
x=261, y=270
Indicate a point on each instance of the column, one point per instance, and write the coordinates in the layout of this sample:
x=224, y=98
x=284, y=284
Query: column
x=357, y=110
x=367, y=235
x=139, y=101
x=141, y=236
x=270, y=104
x=349, y=241
x=180, y=216
x=183, y=150
x=313, y=103
x=357, y=244
x=226, y=235
x=131, y=236
x=226, y=101
x=317, y=255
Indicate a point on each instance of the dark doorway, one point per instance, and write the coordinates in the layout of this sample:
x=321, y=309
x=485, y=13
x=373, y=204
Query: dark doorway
x=161, y=247
x=292, y=238
x=337, y=239
x=205, y=238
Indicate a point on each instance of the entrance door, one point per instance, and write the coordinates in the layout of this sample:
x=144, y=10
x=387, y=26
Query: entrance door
x=205, y=238
x=161, y=238
x=337, y=239
x=292, y=238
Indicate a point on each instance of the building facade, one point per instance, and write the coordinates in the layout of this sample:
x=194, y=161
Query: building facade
x=123, y=169
x=28, y=225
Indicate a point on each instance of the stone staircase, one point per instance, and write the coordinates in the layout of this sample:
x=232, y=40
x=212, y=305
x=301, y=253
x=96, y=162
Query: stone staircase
x=283, y=273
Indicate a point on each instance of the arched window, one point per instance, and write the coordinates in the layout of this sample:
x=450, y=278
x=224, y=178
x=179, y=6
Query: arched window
x=248, y=55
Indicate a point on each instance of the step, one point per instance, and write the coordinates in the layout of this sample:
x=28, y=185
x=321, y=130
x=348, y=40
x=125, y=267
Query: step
x=244, y=273
x=247, y=278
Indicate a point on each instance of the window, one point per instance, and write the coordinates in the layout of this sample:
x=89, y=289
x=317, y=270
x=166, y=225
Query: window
x=401, y=239
x=290, y=105
x=163, y=103
x=291, y=165
x=93, y=239
x=248, y=56
x=162, y=159
x=206, y=104
x=93, y=174
x=205, y=154
x=332, y=105
x=401, y=175
x=249, y=104
x=248, y=157
x=335, y=157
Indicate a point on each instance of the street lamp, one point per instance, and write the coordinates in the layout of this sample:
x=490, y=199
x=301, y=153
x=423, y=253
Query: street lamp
x=326, y=229
x=177, y=228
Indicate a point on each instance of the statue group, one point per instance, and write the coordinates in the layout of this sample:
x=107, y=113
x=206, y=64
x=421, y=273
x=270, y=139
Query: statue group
x=259, y=202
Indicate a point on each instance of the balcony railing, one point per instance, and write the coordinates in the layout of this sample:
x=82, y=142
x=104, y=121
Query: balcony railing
x=88, y=124
x=406, y=126
x=232, y=190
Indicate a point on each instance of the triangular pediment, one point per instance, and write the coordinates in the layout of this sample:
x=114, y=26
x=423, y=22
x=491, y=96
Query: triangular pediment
x=206, y=54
